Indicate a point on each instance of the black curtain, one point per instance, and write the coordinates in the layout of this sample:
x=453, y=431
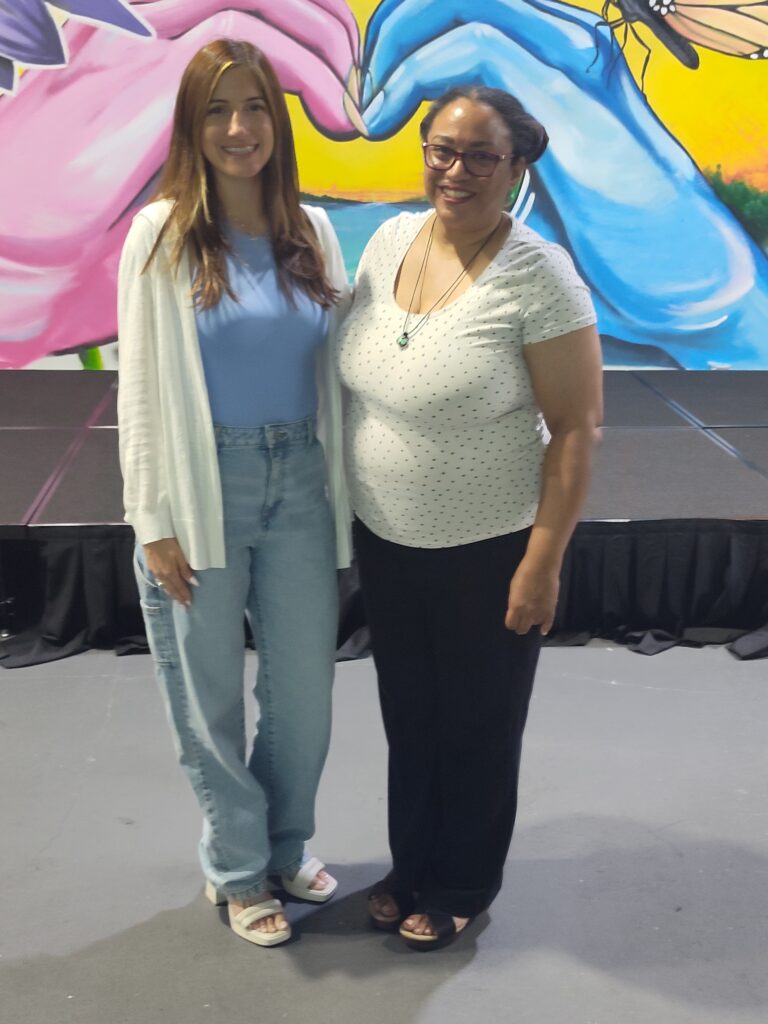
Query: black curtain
x=649, y=585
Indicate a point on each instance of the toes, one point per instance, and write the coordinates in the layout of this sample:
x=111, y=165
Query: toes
x=320, y=881
x=270, y=925
x=419, y=924
x=384, y=905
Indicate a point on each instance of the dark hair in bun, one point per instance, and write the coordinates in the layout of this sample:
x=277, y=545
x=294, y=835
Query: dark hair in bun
x=529, y=138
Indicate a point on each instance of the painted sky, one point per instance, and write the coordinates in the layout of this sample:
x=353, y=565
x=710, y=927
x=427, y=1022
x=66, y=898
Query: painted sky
x=717, y=113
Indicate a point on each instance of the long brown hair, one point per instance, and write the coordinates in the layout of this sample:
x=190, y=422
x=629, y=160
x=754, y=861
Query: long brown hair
x=187, y=180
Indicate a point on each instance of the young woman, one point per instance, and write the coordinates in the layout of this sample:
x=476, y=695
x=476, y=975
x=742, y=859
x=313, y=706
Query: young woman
x=468, y=334
x=228, y=290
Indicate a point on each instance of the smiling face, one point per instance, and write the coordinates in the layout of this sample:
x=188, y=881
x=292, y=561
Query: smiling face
x=238, y=136
x=461, y=200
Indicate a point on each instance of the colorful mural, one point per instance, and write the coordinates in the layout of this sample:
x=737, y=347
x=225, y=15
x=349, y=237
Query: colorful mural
x=655, y=112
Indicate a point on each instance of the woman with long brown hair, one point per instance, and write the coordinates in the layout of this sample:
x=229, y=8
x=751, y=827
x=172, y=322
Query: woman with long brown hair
x=229, y=445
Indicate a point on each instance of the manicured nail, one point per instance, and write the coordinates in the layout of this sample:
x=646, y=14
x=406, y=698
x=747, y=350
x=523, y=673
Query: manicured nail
x=371, y=111
x=194, y=581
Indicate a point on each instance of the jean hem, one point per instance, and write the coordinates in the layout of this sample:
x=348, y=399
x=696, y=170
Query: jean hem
x=242, y=895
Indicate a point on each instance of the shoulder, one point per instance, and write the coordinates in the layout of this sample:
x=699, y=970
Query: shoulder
x=405, y=224
x=529, y=256
x=147, y=224
x=394, y=232
x=321, y=222
x=316, y=214
x=154, y=215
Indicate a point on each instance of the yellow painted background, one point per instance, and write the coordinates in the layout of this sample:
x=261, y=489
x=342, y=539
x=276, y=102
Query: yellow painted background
x=718, y=113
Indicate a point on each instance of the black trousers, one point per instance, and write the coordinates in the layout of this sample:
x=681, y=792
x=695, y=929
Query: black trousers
x=454, y=685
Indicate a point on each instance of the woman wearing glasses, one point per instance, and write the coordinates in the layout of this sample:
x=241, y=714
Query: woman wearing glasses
x=471, y=343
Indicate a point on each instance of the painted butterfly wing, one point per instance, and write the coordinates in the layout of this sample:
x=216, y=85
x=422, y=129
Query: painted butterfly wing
x=738, y=29
x=652, y=13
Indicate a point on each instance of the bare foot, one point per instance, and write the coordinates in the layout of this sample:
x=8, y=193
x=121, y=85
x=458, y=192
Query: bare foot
x=270, y=925
x=321, y=881
x=420, y=924
x=383, y=908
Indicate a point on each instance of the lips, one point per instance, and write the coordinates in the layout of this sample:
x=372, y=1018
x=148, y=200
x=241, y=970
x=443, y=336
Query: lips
x=240, y=150
x=455, y=195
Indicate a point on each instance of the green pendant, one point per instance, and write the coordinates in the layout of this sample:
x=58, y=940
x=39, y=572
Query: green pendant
x=402, y=341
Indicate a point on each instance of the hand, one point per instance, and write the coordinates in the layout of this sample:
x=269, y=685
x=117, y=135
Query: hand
x=614, y=186
x=532, y=599
x=106, y=122
x=166, y=561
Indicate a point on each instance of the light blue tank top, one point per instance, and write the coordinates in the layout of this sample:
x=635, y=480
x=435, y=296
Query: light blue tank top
x=259, y=352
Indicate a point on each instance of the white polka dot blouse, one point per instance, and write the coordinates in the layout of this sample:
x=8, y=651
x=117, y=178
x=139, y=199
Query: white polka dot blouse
x=443, y=440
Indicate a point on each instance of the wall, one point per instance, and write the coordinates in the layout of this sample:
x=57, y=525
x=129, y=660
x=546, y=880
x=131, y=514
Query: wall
x=678, y=278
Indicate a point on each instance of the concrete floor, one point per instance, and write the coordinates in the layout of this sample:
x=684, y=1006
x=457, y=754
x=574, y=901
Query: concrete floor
x=637, y=887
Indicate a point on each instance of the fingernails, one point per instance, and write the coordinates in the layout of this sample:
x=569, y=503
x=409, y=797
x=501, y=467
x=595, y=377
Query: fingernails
x=353, y=84
x=371, y=111
x=353, y=114
x=194, y=581
x=367, y=91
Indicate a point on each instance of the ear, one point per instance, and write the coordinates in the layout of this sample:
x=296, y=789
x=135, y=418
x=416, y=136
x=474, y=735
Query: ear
x=516, y=171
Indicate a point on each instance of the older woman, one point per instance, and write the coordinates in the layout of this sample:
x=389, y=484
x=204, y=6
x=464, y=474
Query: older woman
x=473, y=366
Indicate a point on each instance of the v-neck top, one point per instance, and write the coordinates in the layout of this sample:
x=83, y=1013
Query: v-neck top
x=443, y=440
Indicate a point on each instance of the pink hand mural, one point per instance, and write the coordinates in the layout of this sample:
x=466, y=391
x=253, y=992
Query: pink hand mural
x=94, y=134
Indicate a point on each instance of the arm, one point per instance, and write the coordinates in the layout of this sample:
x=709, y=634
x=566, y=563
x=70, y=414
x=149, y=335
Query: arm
x=147, y=506
x=567, y=381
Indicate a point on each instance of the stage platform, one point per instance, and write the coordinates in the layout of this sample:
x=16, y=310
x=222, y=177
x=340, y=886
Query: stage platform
x=673, y=546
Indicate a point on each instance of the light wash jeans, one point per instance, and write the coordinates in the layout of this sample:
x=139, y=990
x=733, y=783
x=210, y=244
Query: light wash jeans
x=280, y=571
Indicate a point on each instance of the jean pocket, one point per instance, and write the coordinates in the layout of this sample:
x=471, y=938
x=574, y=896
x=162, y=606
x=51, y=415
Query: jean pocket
x=161, y=636
x=144, y=578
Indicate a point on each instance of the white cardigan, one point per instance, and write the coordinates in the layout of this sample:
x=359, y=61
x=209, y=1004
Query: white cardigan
x=167, y=444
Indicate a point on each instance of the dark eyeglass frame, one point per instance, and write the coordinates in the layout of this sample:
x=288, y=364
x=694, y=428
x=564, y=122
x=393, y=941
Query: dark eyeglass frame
x=461, y=154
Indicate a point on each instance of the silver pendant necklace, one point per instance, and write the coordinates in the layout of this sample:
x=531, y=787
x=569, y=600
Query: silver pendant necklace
x=406, y=335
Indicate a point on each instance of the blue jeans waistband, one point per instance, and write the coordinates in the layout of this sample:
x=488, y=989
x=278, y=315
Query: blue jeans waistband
x=298, y=432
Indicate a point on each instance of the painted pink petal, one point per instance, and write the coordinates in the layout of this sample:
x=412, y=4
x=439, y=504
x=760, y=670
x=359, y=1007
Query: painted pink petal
x=104, y=124
x=28, y=33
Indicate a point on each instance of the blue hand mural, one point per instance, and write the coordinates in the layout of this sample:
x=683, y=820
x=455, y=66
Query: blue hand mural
x=669, y=265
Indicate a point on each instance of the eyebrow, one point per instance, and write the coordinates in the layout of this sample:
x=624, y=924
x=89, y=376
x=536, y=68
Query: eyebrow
x=249, y=99
x=483, y=143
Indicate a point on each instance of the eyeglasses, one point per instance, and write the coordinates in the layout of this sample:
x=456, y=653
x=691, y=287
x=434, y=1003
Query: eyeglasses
x=476, y=162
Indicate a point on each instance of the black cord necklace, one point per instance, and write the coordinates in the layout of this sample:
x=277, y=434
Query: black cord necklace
x=406, y=335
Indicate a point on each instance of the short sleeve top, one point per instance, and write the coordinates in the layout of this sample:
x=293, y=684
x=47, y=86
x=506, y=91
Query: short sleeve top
x=259, y=349
x=443, y=440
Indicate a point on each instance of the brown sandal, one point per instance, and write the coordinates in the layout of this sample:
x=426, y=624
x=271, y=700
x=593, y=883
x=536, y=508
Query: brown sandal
x=404, y=901
x=444, y=931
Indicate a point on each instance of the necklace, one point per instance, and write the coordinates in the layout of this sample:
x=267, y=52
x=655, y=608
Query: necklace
x=406, y=335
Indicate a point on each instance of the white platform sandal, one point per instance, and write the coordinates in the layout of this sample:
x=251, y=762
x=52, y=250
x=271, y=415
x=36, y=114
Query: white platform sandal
x=240, y=922
x=299, y=885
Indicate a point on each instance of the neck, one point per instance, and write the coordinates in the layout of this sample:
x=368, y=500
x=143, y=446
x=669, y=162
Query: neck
x=463, y=237
x=242, y=204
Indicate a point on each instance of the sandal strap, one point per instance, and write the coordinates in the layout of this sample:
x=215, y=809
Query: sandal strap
x=308, y=872
x=257, y=912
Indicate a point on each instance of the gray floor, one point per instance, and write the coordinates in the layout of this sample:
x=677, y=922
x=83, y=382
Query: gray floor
x=637, y=887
